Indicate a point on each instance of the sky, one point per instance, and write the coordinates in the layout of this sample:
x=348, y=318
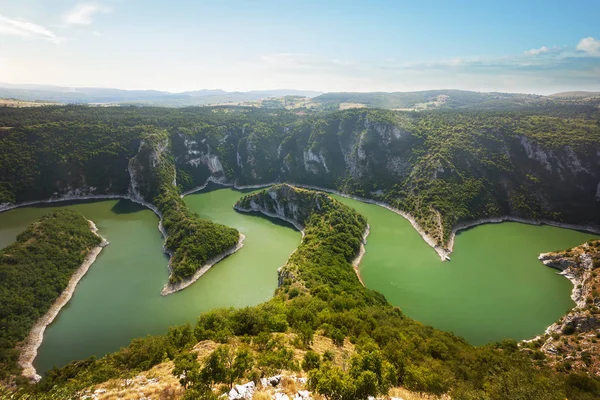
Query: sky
x=325, y=45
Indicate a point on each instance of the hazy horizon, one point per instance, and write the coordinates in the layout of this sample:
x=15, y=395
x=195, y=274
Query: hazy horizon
x=531, y=47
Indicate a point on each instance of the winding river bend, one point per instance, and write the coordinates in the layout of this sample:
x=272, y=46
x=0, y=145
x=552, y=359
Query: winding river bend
x=119, y=298
x=494, y=287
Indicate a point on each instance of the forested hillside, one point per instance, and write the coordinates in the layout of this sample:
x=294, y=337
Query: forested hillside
x=191, y=241
x=442, y=167
x=34, y=271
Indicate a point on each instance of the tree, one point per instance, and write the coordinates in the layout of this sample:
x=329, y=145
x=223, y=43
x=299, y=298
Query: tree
x=311, y=361
x=187, y=369
x=226, y=366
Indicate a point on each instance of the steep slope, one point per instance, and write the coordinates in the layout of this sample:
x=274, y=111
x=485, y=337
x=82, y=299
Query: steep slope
x=445, y=168
x=192, y=243
x=572, y=342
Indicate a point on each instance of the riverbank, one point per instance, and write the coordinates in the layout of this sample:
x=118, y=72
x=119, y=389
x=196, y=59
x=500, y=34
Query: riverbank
x=574, y=334
x=218, y=181
x=28, y=350
x=443, y=252
x=361, y=252
x=255, y=208
x=355, y=262
x=171, y=288
x=508, y=218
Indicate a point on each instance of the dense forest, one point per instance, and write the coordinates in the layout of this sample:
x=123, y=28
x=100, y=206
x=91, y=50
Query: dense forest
x=443, y=167
x=320, y=295
x=34, y=271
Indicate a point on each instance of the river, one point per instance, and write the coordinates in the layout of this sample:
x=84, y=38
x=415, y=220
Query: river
x=494, y=287
x=119, y=298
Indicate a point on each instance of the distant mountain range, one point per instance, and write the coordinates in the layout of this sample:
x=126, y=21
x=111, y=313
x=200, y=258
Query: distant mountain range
x=60, y=94
x=291, y=98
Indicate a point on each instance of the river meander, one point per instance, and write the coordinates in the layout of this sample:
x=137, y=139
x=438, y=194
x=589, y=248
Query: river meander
x=494, y=287
x=119, y=298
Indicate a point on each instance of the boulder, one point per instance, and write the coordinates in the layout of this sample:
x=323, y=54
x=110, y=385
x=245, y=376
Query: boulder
x=302, y=395
x=275, y=380
x=242, y=392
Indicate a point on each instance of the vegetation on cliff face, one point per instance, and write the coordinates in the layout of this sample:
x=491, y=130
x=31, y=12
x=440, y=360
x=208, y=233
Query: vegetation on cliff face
x=443, y=167
x=573, y=342
x=34, y=271
x=321, y=296
x=191, y=240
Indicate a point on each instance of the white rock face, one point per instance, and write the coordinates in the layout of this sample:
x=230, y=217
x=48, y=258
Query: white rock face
x=302, y=395
x=573, y=162
x=598, y=192
x=535, y=152
x=196, y=157
x=310, y=159
x=242, y=392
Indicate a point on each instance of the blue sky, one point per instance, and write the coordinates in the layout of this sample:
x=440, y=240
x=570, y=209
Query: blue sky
x=518, y=46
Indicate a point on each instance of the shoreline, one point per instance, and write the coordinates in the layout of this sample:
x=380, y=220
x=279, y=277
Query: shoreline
x=295, y=224
x=443, y=252
x=171, y=288
x=508, y=218
x=28, y=351
x=355, y=262
x=361, y=253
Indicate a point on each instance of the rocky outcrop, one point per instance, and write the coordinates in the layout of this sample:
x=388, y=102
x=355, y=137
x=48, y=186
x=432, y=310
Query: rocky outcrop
x=572, y=339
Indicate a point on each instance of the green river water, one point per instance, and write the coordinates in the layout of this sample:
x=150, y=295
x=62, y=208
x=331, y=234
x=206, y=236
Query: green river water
x=119, y=298
x=493, y=288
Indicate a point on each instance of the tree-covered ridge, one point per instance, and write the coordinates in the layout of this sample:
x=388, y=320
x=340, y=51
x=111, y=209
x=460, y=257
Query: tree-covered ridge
x=324, y=297
x=443, y=167
x=37, y=161
x=191, y=241
x=333, y=234
x=34, y=271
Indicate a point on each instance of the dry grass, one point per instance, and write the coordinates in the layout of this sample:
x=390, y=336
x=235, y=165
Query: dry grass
x=405, y=394
x=157, y=383
x=347, y=106
x=288, y=385
x=206, y=347
x=261, y=396
x=24, y=103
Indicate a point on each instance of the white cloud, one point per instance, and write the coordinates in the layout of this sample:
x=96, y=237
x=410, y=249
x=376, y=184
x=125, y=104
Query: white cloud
x=535, y=52
x=590, y=46
x=83, y=13
x=19, y=27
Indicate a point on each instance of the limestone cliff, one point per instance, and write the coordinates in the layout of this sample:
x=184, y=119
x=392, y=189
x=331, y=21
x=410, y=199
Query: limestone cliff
x=306, y=210
x=442, y=169
x=572, y=342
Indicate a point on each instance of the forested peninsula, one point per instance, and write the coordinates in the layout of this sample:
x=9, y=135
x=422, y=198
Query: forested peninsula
x=191, y=242
x=36, y=275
